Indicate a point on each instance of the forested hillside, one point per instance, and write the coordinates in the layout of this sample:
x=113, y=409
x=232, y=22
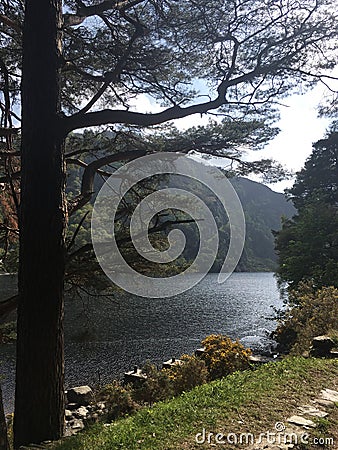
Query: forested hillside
x=263, y=209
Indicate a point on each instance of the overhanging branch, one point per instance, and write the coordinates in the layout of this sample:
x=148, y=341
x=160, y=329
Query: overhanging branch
x=106, y=5
x=84, y=11
x=87, y=184
x=126, y=240
x=110, y=116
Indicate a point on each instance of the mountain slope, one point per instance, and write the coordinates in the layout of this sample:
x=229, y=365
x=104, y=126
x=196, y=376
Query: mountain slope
x=263, y=209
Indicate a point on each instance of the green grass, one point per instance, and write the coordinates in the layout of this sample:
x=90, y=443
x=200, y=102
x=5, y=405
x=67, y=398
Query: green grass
x=250, y=401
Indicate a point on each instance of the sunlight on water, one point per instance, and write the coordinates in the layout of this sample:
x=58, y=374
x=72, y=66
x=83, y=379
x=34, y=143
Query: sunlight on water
x=104, y=337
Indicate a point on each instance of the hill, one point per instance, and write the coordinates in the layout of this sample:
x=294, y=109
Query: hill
x=263, y=209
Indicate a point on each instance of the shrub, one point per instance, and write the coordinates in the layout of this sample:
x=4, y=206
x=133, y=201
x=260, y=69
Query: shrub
x=222, y=356
x=311, y=313
x=186, y=376
x=118, y=400
x=155, y=388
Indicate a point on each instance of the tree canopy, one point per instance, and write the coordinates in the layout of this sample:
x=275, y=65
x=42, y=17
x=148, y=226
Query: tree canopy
x=319, y=177
x=188, y=57
x=308, y=243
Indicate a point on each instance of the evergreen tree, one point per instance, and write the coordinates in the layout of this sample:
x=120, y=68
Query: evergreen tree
x=307, y=245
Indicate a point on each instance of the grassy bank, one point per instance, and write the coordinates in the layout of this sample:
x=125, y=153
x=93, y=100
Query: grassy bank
x=250, y=401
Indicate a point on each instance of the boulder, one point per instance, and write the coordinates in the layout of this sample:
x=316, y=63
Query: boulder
x=81, y=395
x=68, y=414
x=321, y=346
x=325, y=403
x=101, y=405
x=75, y=426
x=91, y=419
x=81, y=413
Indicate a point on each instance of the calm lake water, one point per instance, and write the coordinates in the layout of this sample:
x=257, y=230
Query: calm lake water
x=105, y=338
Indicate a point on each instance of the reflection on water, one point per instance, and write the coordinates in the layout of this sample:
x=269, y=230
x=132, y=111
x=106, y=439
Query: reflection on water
x=104, y=337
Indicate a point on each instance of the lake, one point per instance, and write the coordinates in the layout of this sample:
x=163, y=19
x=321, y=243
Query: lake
x=105, y=338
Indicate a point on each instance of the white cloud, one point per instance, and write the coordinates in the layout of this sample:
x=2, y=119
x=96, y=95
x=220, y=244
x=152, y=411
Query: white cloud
x=300, y=128
x=299, y=124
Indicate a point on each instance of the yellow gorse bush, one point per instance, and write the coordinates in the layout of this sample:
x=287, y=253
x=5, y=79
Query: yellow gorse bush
x=223, y=356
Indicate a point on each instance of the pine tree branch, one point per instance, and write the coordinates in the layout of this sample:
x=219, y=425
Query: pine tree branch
x=110, y=116
x=16, y=26
x=162, y=227
x=87, y=184
x=84, y=11
x=107, y=5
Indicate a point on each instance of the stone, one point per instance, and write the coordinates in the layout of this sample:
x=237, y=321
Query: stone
x=135, y=376
x=77, y=425
x=69, y=432
x=73, y=428
x=325, y=403
x=301, y=421
x=334, y=353
x=199, y=351
x=81, y=412
x=68, y=414
x=258, y=359
x=321, y=346
x=172, y=363
x=312, y=411
x=330, y=395
x=81, y=395
x=92, y=418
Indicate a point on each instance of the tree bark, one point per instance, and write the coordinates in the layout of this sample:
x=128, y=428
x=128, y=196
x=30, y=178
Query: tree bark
x=39, y=397
x=4, y=445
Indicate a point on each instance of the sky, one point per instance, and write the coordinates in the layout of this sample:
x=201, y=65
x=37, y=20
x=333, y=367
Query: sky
x=300, y=128
x=299, y=124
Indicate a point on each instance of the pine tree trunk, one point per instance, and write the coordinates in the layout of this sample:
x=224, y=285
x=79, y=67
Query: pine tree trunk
x=3, y=427
x=39, y=397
